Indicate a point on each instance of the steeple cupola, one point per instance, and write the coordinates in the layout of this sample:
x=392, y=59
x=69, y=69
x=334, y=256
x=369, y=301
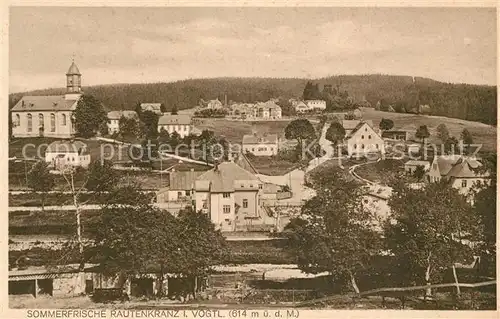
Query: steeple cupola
x=73, y=79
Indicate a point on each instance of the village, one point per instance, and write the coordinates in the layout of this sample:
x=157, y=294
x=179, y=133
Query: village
x=251, y=188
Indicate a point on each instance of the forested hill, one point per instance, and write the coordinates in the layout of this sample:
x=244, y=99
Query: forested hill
x=471, y=102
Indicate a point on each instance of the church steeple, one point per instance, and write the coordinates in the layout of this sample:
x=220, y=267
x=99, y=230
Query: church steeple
x=73, y=79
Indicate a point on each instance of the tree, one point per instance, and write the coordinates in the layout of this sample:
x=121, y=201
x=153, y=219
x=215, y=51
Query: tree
x=89, y=117
x=427, y=232
x=335, y=133
x=300, y=129
x=334, y=231
x=419, y=172
x=163, y=108
x=386, y=124
x=127, y=234
x=199, y=246
x=129, y=127
x=422, y=132
x=150, y=120
x=451, y=145
x=101, y=177
x=442, y=133
x=175, y=110
x=484, y=195
x=40, y=180
x=467, y=140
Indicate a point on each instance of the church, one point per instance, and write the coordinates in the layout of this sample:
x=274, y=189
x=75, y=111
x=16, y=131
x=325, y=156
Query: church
x=49, y=116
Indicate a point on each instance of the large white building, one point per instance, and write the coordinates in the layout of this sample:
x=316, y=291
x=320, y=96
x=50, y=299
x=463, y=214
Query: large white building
x=363, y=139
x=316, y=104
x=260, y=145
x=49, y=115
x=175, y=123
x=229, y=194
x=67, y=153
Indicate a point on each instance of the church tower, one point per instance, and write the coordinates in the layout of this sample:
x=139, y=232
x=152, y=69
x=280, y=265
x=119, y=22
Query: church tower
x=73, y=83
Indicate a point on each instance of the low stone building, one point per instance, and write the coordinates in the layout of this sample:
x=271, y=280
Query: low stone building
x=63, y=153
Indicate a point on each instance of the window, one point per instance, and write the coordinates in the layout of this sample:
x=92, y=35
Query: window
x=204, y=204
x=245, y=203
x=179, y=194
x=30, y=123
x=226, y=195
x=40, y=120
x=253, y=149
x=363, y=146
x=362, y=137
x=272, y=149
x=366, y=130
x=355, y=146
x=226, y=209
x=17, y=120
x=369, y=137
x=464, y=183
x=188, y=193
x=260, y=186
x=376, y=145
x=52, y=122
x=63, y=117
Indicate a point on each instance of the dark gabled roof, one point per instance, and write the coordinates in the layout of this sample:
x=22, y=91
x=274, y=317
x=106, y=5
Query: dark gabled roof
x=260, y=139
x=116, y=115
x=181, y=119
x=465, y=168
x=183, y=180
x=44, y=103
x=62, y=146
x=222, y=178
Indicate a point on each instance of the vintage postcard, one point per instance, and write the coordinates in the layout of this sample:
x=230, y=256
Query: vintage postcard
x=251, y=162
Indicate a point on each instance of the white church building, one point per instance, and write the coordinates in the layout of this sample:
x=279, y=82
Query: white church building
x=50, y=115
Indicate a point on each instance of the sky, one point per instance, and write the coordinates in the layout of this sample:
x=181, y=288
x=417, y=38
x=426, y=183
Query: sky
x=142, y=45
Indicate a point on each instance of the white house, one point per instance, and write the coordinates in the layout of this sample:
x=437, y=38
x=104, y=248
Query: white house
x=152, y=107
x=229, y=195
x=214, y=104
x=48, y=115
x=67, y=153
x=268, y=110
x=316, y=104
x=459, y=170
x=114, y=119
x=412, y=165
x=363, y=139
x=175, y=123
x=260, y=145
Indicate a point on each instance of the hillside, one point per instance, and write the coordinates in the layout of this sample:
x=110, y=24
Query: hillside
x=469, y=102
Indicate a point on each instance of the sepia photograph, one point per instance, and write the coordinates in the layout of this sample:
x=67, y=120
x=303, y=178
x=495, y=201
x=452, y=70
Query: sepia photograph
x=262, y=161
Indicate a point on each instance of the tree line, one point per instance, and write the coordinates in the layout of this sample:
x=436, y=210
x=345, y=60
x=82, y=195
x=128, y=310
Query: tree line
x=464, y=101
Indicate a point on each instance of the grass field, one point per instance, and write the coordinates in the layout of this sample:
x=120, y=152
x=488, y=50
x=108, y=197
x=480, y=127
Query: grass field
x=381, y=172
x=233, y=131
x=269, y=165
x=482, y=133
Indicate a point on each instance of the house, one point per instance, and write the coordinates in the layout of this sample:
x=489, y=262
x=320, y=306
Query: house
x=48, y=115
x=301, y=107
x=396, y=135
x=114, y=119
x=63, y=153
x=350, y=125
x=152, y=107
x=268, y=110
x=175, y=123
x=363, y=139
x=260, y=145
x=412, y=165
x=214, y=104
x=458, y=170
x=414, y=148
x=229, y=195
x=244, y=111
x=316, y=104
x=180, y=188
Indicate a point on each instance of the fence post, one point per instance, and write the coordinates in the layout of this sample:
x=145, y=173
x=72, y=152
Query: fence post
x=293, y=296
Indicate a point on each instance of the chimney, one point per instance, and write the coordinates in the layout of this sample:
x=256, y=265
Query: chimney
x=22, y=103
x=225, y=99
